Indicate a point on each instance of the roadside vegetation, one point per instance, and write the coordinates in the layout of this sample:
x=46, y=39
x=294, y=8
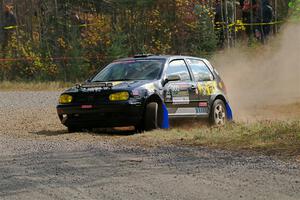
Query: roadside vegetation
x=70, y=40
x=280, y=138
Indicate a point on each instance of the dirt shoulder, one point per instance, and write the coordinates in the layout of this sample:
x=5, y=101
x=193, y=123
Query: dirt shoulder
x=39, y=159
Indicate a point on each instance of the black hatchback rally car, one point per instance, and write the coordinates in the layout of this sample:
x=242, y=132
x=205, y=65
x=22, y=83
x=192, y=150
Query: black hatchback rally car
x=146, y=91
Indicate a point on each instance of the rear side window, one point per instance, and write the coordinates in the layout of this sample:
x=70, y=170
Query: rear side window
x=178, y=67
x=200, y=70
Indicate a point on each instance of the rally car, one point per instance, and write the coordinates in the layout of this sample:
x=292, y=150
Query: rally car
x=145, y=91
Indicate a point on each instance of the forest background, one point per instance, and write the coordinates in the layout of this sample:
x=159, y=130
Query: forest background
x=70, y=40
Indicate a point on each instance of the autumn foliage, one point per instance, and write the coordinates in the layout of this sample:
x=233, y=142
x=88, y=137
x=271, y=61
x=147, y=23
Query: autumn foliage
x=70, y=40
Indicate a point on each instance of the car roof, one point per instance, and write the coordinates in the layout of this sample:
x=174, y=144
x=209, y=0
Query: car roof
x=157, y=57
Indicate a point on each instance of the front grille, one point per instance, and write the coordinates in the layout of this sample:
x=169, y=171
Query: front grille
x=91, y=98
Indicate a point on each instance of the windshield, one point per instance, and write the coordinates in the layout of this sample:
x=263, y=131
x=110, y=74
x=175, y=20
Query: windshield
x=131, y=70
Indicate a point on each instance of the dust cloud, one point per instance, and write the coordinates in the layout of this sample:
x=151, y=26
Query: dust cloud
x=264, y=82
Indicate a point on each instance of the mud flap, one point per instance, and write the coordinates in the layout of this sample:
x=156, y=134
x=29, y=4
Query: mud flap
x=165, y=118
x=229, y=112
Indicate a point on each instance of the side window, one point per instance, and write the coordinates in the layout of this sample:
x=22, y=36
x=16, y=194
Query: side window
x=178, y=67
x=200, y=70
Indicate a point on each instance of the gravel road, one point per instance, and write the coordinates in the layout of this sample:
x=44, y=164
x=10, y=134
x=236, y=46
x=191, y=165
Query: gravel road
x=40, y=160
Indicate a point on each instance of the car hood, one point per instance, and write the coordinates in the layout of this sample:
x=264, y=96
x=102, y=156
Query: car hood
x=114, y=85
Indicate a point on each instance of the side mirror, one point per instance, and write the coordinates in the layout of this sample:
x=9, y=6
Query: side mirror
x=173, y=78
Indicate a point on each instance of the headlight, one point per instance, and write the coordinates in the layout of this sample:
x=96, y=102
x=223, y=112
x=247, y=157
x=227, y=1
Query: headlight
x=119, y=96
x=65, y=99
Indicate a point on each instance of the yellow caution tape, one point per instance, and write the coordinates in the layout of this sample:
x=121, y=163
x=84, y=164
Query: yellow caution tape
x=237, y=23
x=10, y=27
x=240, y=26
x=240, y=23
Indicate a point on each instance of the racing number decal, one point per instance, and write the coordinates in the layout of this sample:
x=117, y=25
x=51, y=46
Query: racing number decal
x=178, y=94
x=181, y=97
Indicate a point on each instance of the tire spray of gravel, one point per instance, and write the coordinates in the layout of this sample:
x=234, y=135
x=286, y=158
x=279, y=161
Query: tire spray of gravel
x=265, y=76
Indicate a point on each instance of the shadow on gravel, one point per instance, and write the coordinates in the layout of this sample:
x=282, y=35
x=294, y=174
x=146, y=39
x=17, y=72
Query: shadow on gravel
x=51, y=133
x=111, y=132
x=94, y=132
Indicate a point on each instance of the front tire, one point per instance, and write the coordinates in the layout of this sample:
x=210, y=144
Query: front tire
x=72, y=129
x=139, y=128
x=218, y=113
x=151, y=116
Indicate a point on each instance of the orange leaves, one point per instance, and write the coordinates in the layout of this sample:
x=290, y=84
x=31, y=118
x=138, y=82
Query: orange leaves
x=61, y=43
x=97, y=31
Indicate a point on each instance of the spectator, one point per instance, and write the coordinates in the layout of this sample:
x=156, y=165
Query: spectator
x=219, y=23
x=265, y=15
x=9, y=25
x=249, y=8
x=221, y=20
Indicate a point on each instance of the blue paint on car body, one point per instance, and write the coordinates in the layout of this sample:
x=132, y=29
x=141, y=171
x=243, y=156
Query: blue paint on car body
x=229, y=112
x=165, y=120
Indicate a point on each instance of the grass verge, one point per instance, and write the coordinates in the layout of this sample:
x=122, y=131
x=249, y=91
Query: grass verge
x=33, y=86
x=269, y=137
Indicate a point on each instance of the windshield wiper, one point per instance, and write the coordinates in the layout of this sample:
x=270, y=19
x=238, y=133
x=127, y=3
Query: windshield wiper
x=124, y=79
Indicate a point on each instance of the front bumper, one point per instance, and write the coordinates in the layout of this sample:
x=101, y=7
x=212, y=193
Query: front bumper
x=100, y=116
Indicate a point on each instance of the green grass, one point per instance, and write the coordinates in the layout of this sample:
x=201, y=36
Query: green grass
x=269, y=137
x=33, y=86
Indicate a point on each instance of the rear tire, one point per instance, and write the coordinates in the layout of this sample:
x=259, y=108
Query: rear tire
x=151, y=117
x=218, y=113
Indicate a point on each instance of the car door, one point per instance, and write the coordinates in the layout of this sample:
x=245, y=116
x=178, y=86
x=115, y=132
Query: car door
x=180, y=95
x=205, y=81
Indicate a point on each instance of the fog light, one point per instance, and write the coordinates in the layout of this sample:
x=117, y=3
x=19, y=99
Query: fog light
x=119, y=96
x=65, y=99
